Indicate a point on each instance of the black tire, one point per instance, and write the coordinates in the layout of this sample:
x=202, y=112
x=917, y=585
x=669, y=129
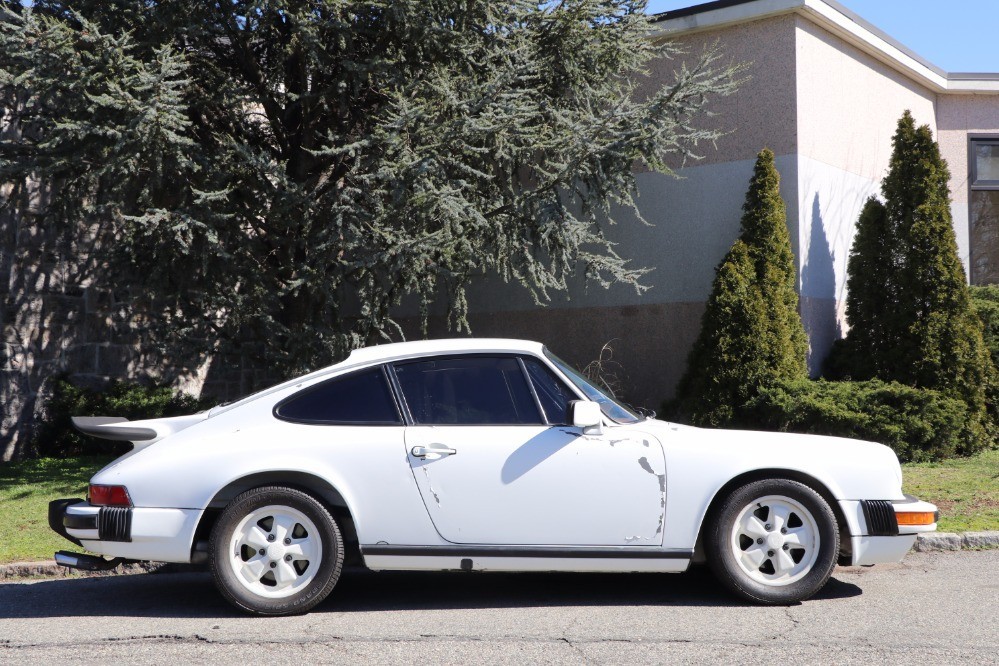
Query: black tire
x=316, y=579
x=728, y=552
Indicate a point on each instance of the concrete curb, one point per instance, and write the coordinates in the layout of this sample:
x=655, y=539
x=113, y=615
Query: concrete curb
x=925, y=543
x=49, y=569
x=937, y=541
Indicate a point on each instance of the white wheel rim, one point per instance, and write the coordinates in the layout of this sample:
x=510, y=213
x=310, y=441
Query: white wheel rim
x=275, y=551
x=775, y=540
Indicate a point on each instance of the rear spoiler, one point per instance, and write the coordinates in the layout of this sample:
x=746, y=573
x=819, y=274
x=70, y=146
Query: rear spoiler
x=141, y=433
x=108, y=427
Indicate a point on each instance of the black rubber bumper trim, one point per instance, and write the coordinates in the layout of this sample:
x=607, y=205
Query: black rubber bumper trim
x=57, y=517
x=880, y=517
x=114, y=523
x=69, y=521
x=519, y=551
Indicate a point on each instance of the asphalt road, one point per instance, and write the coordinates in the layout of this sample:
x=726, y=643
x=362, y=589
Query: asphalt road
x=934, y=608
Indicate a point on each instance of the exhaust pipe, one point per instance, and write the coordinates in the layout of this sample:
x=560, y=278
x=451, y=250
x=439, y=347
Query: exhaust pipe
x=64, y=558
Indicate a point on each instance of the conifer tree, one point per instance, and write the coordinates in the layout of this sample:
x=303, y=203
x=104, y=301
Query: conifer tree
x=910, y=313
x=751, y=334
x=287, y=172
x=870, y=300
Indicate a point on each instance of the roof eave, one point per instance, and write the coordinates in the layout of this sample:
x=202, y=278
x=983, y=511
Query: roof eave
x=838, y=20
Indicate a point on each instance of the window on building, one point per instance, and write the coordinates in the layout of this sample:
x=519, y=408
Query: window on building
x=983, y=210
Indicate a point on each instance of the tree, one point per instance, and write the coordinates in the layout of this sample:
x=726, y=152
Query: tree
x=870, y=300
x=910, y=312
x=751, y=335
x=285, y=173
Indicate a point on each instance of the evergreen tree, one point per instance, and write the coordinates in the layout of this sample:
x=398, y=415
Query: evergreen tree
x=751, y=334
x=920, y=328
x=287, y=172
x=870, y=300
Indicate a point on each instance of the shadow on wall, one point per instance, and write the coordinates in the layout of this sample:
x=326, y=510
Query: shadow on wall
x=58, y=316
x=818, y=292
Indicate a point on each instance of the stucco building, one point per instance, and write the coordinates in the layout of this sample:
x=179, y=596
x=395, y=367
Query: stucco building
x=825, y=91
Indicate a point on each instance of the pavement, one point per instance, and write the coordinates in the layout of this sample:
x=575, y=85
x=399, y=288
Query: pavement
x=935, y=607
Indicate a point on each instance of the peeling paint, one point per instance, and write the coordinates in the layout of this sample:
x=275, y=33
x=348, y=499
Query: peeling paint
x=644, y=462
x=430, y=486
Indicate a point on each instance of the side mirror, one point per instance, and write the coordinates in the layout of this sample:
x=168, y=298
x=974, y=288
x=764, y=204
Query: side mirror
x=586, y=414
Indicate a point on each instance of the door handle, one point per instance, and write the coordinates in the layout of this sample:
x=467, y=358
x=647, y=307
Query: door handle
x=434, y=449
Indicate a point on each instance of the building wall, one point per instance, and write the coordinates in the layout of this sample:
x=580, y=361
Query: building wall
x=694, y=221
x=957, y=117
x=849, y=104
x=763, y=113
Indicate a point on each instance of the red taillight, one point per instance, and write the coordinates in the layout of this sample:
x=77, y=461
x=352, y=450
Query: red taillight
x=109, y=496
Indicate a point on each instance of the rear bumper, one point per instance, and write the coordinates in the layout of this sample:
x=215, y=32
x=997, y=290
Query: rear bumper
x=134, y=533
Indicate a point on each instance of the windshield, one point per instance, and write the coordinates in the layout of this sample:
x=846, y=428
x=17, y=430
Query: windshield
x=611, y=408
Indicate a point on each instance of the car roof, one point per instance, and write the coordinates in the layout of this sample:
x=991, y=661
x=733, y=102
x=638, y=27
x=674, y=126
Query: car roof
x=395, y=350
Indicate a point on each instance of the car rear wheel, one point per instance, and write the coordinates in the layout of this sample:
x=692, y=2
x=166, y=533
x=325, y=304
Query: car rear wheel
x=276, y=551
x=773, y=542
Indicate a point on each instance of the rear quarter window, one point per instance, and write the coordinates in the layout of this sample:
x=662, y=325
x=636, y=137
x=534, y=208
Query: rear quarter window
x=361, y=398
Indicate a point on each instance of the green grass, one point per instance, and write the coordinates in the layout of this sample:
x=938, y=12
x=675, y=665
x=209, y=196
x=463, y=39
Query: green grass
x=25, y=490
x=965, y=489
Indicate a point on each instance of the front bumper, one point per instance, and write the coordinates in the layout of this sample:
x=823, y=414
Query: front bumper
x=135, y=533
x=876, y=536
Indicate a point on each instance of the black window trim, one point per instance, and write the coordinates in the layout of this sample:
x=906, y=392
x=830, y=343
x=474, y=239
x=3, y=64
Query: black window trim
x=407, y=414
x=973, y=140
x=319, y=385
x=985, y=186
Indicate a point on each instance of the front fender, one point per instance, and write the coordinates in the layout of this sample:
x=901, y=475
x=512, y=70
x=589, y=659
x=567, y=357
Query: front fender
x=700, y=463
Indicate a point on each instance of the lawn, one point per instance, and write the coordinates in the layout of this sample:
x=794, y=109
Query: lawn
x=25, y=490
x=965, y=489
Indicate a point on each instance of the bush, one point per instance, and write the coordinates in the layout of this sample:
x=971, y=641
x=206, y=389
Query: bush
x=985, y=300
x=918, y=424
x=56, y=437
x=908, y=304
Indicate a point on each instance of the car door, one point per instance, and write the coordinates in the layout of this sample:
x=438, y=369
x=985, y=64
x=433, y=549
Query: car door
x=496, y=463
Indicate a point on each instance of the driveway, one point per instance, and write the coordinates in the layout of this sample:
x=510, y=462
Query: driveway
x=933, y=608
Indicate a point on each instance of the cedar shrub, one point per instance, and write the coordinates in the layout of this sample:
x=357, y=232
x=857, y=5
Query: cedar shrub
x=909, y=309
x=751, y=333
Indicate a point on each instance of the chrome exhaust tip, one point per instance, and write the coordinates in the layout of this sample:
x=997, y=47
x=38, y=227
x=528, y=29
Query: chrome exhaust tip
x=64, y=558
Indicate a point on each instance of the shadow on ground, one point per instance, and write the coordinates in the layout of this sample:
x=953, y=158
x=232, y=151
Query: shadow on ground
x=359, y=590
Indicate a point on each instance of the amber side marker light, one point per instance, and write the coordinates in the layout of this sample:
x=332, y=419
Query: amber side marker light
x=916, y=518
x=109, y=496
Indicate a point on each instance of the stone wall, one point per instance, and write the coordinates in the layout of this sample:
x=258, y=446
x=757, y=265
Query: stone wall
x=56, y=318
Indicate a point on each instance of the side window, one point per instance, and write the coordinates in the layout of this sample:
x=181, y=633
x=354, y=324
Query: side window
x=553, y=394
x=468, y=391
x=362, y=397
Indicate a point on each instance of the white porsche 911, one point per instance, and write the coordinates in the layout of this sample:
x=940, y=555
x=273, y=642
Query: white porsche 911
x=478, y=455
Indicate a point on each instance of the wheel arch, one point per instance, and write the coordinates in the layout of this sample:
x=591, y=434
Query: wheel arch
x=775, y=473
x=312, y=484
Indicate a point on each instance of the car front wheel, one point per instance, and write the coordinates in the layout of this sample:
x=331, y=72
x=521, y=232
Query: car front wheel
x=773, y=542
x=276, y=551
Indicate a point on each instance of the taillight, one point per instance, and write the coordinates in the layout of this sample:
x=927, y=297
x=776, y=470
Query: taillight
x=109, y=496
